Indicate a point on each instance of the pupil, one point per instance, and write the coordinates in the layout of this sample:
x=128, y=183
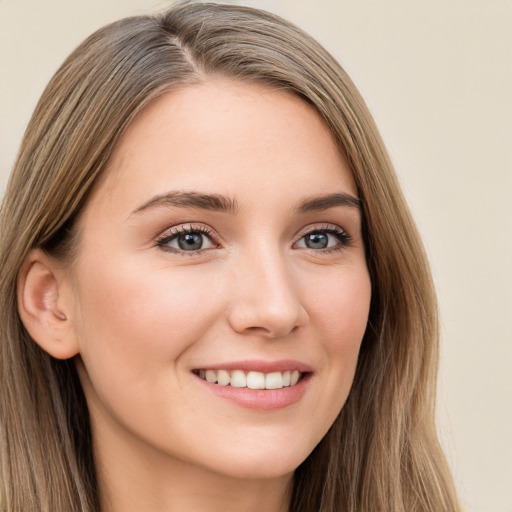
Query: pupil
x=190, y=241
x=317, y=241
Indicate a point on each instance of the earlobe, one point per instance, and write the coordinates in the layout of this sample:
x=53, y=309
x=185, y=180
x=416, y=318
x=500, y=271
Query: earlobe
x=42, y=308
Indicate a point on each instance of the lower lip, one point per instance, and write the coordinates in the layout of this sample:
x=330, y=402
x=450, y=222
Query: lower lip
x=262, y=399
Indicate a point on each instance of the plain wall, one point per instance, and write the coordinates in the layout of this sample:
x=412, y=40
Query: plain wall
x=437, y=75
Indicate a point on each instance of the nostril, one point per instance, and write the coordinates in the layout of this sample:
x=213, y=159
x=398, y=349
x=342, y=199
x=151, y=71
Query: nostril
x=257, y=329
x=269, y=332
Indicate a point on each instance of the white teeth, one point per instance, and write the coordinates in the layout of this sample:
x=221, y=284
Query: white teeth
x=253, y=380
x=256, y=380
x=211, y=375
x=274, y=380
x=238, y=379
x=223, y=378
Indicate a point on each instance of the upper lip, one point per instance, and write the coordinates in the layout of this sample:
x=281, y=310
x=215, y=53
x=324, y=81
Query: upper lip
x=253, y=365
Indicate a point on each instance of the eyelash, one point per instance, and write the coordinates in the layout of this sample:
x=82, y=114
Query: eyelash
x=344, y=239
x=341, y=235
x=173, y=233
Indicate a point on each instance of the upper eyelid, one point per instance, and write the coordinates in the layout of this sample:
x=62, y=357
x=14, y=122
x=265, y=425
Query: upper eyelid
x=186, y=228
x=174, y=231
x=323, y=226
x=204, y=228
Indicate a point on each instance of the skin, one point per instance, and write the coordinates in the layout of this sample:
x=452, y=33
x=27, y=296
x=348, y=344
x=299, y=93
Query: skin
x=144, y=316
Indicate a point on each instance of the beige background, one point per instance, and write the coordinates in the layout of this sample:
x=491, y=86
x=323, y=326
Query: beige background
x=437, y=76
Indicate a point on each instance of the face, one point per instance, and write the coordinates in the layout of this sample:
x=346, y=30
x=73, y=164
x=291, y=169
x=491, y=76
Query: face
x=221, y=252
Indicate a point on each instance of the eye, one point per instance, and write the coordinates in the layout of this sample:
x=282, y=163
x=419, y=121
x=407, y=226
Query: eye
x=189, y=239
x=324, y=239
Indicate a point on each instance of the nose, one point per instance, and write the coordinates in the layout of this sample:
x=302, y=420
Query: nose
x=265, y=299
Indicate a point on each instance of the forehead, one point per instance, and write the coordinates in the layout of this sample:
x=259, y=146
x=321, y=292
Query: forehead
x=223, y=136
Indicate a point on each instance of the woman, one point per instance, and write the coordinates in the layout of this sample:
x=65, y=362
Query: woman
x=213, y=294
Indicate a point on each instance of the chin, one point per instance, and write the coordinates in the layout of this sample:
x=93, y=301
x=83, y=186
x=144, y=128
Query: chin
x=268, y=469
x=267, y=461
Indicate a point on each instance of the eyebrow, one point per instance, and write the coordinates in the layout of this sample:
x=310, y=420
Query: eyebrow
x=212, y=202
x=325, y=202
x=220, y=203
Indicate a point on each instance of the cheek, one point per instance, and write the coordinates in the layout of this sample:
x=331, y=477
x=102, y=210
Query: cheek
x=341, y=306
x=140, y=318
x=338, y=310
x=341, y=314
x=134, y=327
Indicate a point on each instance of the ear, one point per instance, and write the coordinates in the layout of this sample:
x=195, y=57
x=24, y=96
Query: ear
x=43, y=307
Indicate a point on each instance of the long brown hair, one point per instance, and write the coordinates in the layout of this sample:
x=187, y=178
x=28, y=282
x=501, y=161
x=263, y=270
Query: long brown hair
x=382, y=452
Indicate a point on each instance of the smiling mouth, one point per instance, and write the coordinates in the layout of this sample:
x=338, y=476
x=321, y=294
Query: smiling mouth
x=251, y=379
